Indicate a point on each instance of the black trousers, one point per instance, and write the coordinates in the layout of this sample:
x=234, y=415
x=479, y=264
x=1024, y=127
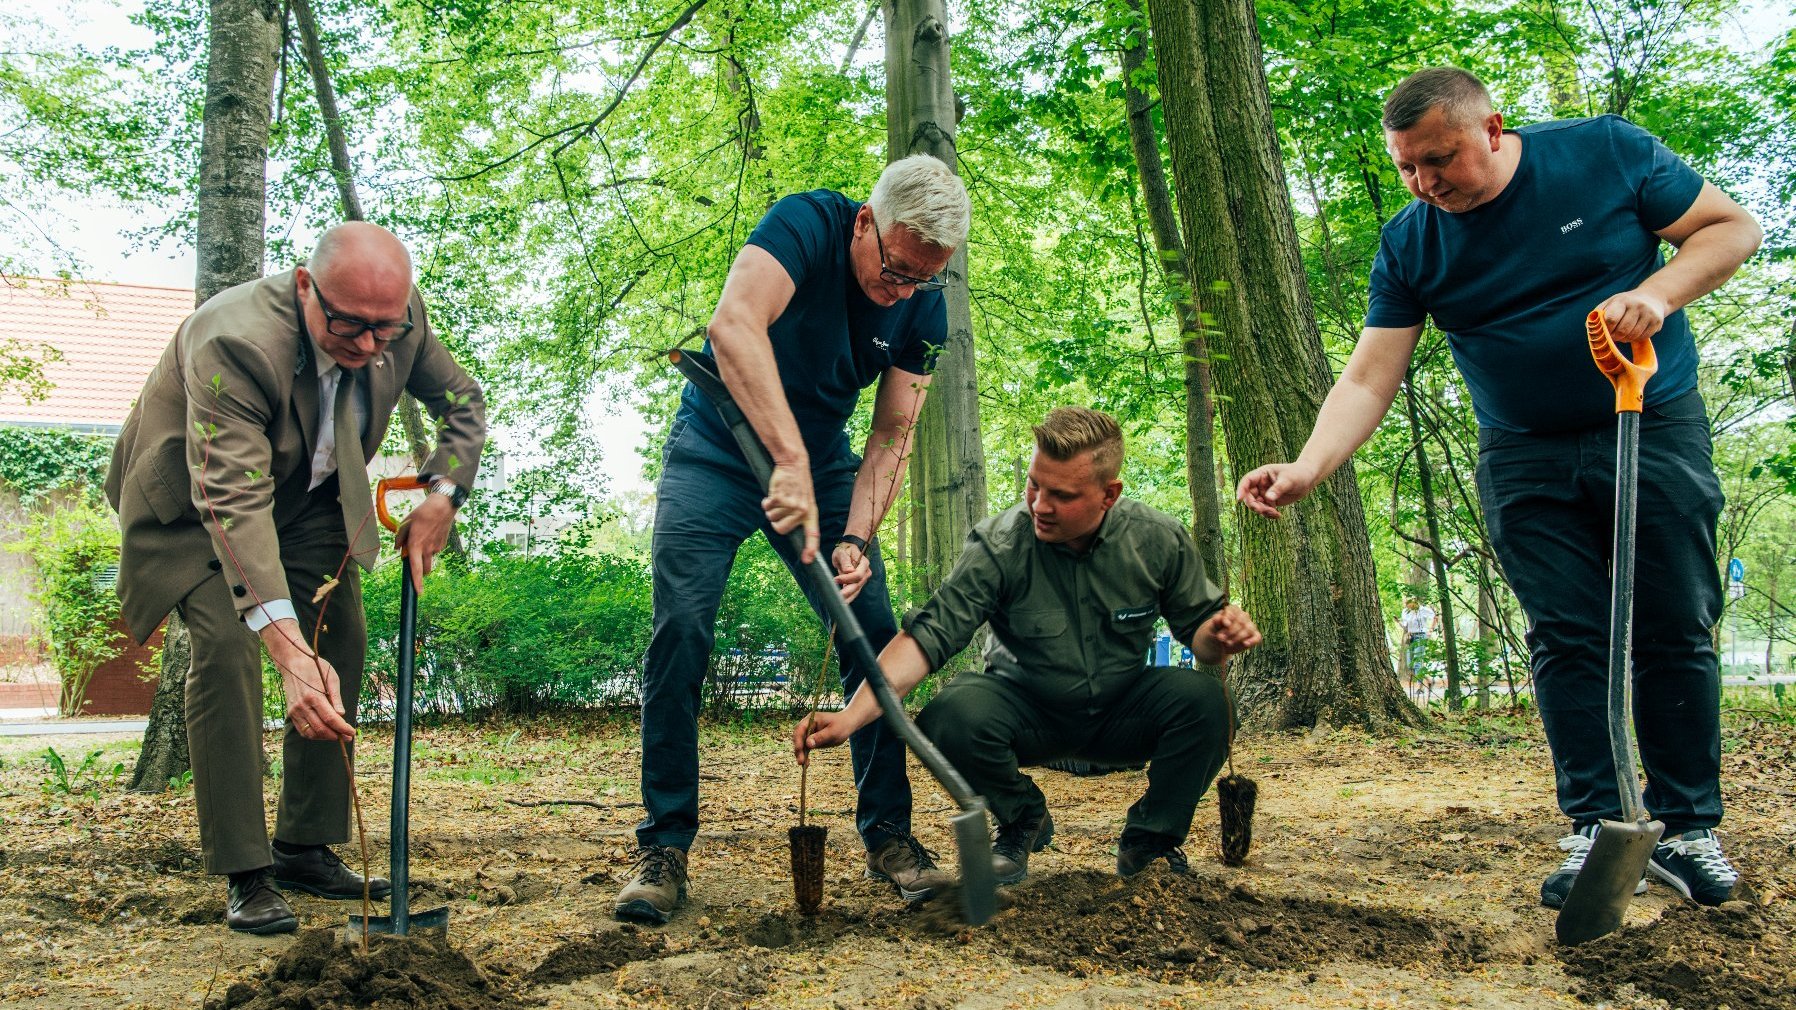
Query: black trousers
x=1176, y=719
x=1549, y=501
x=708, y=503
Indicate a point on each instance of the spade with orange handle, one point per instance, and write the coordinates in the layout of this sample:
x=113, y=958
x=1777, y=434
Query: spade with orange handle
x=1617, y=860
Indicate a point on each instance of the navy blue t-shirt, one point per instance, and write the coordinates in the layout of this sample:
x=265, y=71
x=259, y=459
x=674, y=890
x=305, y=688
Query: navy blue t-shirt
x=832, y=341
x=1510, y=282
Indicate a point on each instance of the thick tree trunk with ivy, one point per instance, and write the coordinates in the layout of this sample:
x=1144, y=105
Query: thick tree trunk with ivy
x=1308, y=578
x=1200, y=416
x=241, y=55
x=948, y=462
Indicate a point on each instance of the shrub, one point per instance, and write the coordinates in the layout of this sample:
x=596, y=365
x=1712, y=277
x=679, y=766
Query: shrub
x=75, y=548
x=519, y=634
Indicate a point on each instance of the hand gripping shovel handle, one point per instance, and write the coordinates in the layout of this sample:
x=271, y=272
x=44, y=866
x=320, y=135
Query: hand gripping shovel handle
x=1618, y=857
x=402, y=921
x=972, y=837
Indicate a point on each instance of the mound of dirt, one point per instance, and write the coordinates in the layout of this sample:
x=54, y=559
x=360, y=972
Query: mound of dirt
x=319, y=972
x=1733, y=956
x=1183, y=927
x=608, y=951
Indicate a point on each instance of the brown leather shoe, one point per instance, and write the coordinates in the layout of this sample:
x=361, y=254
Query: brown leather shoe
x=656, y=889
x=904, y=863
x=254, y=906
x=315, y=869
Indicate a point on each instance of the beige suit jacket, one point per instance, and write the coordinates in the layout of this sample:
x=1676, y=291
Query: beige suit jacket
x=222, y=437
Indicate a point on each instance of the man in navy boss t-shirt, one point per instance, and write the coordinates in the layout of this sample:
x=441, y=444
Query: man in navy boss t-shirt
x=827, y=297
x=1514, y=237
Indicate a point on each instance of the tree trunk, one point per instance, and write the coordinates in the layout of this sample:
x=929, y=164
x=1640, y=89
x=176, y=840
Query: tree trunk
x=341, y=169
x=1200, y=411
x=411, y=413
x=948, y=461
x=241, y=54
x=1308, y=579
x=1487, y=633
x=1437, y=557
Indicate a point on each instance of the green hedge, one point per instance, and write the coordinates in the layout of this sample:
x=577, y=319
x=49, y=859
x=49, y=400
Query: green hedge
x=519, y=635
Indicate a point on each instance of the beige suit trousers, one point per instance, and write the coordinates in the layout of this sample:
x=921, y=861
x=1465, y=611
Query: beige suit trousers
x=224, y=700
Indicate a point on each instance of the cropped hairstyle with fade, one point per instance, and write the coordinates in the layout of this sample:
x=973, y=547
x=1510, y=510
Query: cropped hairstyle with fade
x=1456, y=92
x=1068, y=431
x=924, y=195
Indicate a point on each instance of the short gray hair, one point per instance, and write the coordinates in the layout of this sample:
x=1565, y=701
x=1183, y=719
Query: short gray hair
x=923, y=194
x=1457, y=92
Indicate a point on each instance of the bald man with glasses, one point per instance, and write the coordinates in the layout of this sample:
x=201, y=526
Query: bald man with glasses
x=241, y=483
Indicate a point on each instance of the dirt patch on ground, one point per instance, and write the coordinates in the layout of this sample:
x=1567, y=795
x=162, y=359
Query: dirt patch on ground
x=1737, y=956
x=1179, y=926
x=319, y=972
x=609, y=951
x=1384, y=872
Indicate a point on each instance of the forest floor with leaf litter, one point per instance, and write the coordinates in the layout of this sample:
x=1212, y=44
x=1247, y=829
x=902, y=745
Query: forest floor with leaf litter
x=1385, y=872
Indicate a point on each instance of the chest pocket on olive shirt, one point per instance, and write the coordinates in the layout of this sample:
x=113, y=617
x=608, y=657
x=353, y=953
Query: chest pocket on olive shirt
x=1038, y=624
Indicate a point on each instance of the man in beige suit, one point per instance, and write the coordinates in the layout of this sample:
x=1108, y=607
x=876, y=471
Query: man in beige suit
x=240, y=480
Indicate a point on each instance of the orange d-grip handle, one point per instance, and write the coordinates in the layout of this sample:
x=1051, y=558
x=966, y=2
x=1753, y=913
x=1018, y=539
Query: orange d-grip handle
x=1628, y=377
x=387, y=486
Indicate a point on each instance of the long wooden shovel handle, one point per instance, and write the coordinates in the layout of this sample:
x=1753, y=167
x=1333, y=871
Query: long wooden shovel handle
x=1628, y=377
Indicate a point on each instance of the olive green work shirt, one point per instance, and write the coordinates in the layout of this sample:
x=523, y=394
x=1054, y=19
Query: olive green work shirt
x=1070, y=629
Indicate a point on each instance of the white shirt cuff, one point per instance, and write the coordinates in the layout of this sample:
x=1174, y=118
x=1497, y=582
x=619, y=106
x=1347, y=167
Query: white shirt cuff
x=257, y=618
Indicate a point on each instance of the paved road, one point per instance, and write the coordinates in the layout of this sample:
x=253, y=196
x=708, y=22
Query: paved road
x=59, y=727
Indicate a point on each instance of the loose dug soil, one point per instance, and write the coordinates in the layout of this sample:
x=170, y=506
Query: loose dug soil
x=1179, y=927
x=577, y=959
x=1694, y=957
x=320, y=972
x=1388, y=873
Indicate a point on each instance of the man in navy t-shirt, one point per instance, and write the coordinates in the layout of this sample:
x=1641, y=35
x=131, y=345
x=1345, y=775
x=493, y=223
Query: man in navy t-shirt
x=1513, y=238
x=828, y=297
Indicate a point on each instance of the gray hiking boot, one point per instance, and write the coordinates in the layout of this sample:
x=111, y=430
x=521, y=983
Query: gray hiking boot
x=657, y=887
x=903, y=862
x=1014, y=843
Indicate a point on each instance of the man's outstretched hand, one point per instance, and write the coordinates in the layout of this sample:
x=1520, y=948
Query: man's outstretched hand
x=1266, y=488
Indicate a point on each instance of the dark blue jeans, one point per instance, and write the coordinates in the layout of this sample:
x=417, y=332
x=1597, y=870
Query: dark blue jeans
x=1549, y=500
x=707, y=504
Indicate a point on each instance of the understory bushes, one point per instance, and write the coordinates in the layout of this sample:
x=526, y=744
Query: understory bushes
x=521, y=634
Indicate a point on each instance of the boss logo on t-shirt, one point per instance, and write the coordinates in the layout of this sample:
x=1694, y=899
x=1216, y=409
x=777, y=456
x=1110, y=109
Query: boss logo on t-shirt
x=1568, y=226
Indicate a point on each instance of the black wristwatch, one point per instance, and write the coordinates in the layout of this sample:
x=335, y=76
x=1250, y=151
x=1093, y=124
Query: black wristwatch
x=856, y=542
x=457, y=495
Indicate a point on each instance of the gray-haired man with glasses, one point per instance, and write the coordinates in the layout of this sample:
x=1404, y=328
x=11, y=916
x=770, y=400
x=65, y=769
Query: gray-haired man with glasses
x=241, y=484
x=828, y=296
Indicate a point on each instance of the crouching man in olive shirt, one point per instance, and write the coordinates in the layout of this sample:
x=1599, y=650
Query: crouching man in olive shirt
x=1071, y=581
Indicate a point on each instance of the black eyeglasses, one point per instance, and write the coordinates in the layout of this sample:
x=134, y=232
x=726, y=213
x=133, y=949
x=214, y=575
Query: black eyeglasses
x=351, y=328
x=897, y=279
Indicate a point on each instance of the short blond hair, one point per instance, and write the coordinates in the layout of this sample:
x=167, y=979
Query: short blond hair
x=1068, y=431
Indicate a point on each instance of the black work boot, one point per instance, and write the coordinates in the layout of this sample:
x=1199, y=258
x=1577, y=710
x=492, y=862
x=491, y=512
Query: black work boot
x=657, y=887
x=1014, y=843
x=1135, y=854
x=315, y=869
x=254, y=906
x=903, y=862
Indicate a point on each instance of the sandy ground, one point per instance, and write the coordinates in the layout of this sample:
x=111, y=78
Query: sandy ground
x=1386, y=872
